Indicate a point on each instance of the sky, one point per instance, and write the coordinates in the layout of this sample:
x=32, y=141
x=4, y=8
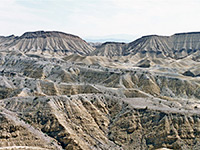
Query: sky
x=100, y=18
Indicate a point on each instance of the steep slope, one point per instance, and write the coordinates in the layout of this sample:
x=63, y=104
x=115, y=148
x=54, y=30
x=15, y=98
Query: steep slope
x=185, y=44
x=177, y=46
x=109, y=49
x=152, y=45
x=51, y=42
x=99, y=103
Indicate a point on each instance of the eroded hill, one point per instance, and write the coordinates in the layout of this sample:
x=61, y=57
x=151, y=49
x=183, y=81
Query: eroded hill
x=95, y=102
x=46, y=42
x=176, y=46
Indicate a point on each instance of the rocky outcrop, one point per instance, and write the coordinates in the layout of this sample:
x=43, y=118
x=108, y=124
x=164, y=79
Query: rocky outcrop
x=99, y=121
x=17, y=133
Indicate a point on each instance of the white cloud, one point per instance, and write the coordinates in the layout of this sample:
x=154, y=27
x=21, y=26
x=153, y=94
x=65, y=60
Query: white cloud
x=100, y=17
x=16, y=19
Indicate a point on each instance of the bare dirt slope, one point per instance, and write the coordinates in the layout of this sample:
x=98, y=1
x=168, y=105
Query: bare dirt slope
x=50, y=42
x=109, y=49
x=177, y=46
x=95, y=102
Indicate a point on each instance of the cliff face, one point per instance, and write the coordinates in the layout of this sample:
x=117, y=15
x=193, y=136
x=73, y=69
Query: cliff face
x=50, y=42
x=185, y=44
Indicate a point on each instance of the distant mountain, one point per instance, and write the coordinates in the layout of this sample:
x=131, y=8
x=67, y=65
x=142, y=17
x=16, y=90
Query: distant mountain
x=177, y=46
x=111, y=38
x=95, y=44
x=51, y=42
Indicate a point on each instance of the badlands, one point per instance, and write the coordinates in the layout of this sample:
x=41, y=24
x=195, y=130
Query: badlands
x=59, y=92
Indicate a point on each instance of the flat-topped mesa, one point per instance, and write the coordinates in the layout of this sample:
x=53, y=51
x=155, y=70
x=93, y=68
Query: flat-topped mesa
x=177, y=46
x=153, y=35
x=185, y=44
x=49, y=42
x=187, y=33
x=44, y=34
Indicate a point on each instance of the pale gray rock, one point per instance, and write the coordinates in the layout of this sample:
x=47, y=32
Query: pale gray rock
x=144, y=100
